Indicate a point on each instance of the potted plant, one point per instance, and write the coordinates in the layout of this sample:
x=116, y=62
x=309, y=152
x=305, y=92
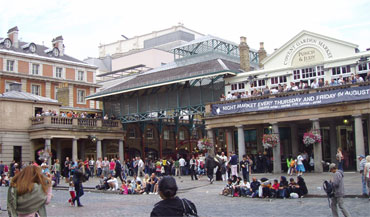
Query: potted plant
x=311, y=137
x=270, y=140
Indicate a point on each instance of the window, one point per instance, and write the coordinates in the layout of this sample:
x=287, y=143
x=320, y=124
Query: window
x=35, y=69
x=181, y=135
x=10, y=65
x=259, y=83
x=234, y=86
x=131, y=133
x=320, y=71
x=346, y=69
x=149, y=133
x=274, y=80
x=309, y=73
x=166, y=135
x=81, y=75
x=335, y=71
x=81, y=96
x=36, y=89
x=241, y=85
x=7, y=86
x=362, y=67
x=341, y=70
x=238, y=86
x=297, y=74
x=56, y=92
x=58, y=72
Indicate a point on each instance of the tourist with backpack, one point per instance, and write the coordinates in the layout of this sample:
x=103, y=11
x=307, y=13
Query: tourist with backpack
x=338, y=190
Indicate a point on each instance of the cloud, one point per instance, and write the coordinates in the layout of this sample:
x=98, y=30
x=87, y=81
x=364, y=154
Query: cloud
x=85, y=24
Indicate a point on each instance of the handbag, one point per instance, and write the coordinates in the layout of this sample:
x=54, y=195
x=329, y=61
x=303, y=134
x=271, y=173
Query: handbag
x=188, y=210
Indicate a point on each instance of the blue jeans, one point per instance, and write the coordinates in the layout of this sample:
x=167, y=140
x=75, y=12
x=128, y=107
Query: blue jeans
x=282, y=193
x=363, y=184
x=340, y=165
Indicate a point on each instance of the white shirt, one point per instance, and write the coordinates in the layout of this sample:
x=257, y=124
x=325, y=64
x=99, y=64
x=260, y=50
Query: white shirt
x=299, y=160
x=229, y=96
x=182, y=162
x=98, y=164
x=314, y=85
x=141, y=163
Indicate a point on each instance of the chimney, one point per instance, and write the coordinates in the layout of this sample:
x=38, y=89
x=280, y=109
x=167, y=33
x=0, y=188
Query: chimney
x=58, y=43
x=15, y=86
x=245, y=64
x=13, y=35
x=261, y=54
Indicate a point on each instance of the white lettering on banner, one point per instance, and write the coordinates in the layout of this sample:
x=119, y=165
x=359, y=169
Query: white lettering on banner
x=356, y=92
x=326, y=96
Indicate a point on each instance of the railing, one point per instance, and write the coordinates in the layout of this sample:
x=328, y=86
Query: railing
x=110, y=123
x=86, y=122
x=63, y=122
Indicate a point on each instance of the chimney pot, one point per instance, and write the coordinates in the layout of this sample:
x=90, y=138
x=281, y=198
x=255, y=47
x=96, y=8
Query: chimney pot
x=243, y=39
x=262, y=45
x=244, y=55
x=58, y=43
x=13, y=35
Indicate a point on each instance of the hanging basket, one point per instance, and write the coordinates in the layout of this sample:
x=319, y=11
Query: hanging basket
x=270, y=140
x=204, y=144
x=312, y=137
x=44, y=154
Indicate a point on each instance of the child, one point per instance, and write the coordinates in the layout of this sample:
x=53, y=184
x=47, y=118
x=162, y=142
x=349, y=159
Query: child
x=275, y=189
x=130, y=187
x=71, y=190
x=123, y=189
x=227, y=189
x=138, y=189
x=292, y=167
x=158, y=168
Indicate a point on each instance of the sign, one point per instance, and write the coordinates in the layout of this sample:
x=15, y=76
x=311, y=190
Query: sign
x=306, y=56
x=296, y=101
x=307, y=41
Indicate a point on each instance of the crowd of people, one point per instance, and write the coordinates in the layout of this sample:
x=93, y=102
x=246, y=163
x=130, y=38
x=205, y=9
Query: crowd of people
x=72, y=114
x=317, y=83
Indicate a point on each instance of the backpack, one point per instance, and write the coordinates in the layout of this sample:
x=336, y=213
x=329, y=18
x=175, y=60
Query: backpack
x=189, y=208
x=328, y=188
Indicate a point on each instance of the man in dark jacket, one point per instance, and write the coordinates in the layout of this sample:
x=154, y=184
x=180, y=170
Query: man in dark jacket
x=118, y=170
x=77, y=181
x=210, y=165
x=338, y=188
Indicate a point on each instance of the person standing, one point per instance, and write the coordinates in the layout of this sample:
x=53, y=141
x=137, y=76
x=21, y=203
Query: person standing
x=338, y=188
x=77, y=182
x=91, y=166
x=340, y=158
x=118, y=170
x=98, y=165
x=210, y=165
x=367, y=173
x=105, y=167
x=29, y=192
x=300, y=166
x=2, y=166
x=244, y=165
x=57, y=170
x=140, y=165
x=234, y=164
x=177, y=168
x=193, y=172
x=362, y=160
x=182, y=166
x=67, y=165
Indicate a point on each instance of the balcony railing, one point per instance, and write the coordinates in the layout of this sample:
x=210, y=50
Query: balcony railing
x=82, y=123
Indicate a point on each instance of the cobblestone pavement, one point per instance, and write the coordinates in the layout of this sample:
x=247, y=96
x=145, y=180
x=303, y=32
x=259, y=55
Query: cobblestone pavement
x=208, y=201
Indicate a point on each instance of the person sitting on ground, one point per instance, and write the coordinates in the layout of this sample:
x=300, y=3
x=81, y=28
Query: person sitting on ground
x=131, y=187
x=171, y=205
x=124, y=188
x=275, y=188
x=138, y=189
x=266, y=185
x=283, y=187
x=235, y=192
x=149, y=189
x=113, y=183
x=227, y=189
x=302, y=186
x=254, y=187
x=293, y=187
x=145, y=181
x=245, y=188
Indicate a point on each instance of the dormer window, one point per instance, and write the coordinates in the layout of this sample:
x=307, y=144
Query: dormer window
x=7, y=43
x=32, y=48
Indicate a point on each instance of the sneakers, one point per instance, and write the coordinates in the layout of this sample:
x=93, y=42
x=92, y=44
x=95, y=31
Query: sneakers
x=151, y=193
x=144, y=193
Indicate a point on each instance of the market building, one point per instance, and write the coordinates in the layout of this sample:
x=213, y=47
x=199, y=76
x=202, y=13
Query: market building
x=161, y=109
x=313, y=82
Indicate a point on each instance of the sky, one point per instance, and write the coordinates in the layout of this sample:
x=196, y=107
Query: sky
x=86, y=24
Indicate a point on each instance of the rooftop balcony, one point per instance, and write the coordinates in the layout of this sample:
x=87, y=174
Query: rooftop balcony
x=55, y=122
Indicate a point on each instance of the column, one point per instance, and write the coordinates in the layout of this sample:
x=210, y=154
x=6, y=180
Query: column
x=74, y=149
x=259, y=132
x=48, y=148
x=333, y=141
x=359, y=138
x=160, y=145
x=229, y=140
x=82, y=150
x=59, y=150
x=317, y=148
x=276, y=149
x=32, y=150
x=98, y=149
x=104, y=147
x=120, y=150
x=294, y=139
x=211, y=140
x=241, y=142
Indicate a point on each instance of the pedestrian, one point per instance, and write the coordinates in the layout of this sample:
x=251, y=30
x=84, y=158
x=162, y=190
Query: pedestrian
x=193, y=172
x=118, y=170
x=340, y=158
x=140, y=165
x=98, y=165
x=105, y=167
x=171, y=205
x=91, y=166
x=2, y=167
x=210, y=165
x=300, y=166
x=338, y=188
x=57, y=170
x=77, y=182
x=182, y=166
x=244, y=165
x=29, y=192
x=362, y=160
x=367, y=174
x=234, y=164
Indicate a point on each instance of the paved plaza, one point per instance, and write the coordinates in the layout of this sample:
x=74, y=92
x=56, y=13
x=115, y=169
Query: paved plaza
x=208, y=201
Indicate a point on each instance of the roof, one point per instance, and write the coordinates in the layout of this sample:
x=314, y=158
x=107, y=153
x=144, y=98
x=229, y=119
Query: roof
x=308, y=33
x=15, y=28
x=26, y=96
x=41, y=51
x=171, y=75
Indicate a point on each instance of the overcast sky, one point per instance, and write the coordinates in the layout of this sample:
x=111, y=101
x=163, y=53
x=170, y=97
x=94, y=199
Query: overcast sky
x=86, y=24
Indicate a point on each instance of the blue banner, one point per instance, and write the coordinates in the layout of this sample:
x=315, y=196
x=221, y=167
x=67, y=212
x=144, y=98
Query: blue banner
x=294, y=101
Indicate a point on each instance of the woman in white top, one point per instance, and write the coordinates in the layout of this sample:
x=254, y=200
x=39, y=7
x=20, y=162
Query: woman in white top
x=367, y=174
x=300, y=166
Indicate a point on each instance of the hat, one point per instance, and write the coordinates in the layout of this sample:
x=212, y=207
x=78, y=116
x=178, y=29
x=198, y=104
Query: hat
x=361, y=156
x=44, y=165
x=332, y=166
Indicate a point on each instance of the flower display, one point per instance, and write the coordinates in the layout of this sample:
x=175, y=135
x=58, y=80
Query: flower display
x=311, y=138
x=270, y=140
x=204, y=144
x=44, y=154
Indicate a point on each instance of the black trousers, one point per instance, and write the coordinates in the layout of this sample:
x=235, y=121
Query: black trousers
x=79, y=192
x=193, y=174
x=210, y=173
x=119, y=174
